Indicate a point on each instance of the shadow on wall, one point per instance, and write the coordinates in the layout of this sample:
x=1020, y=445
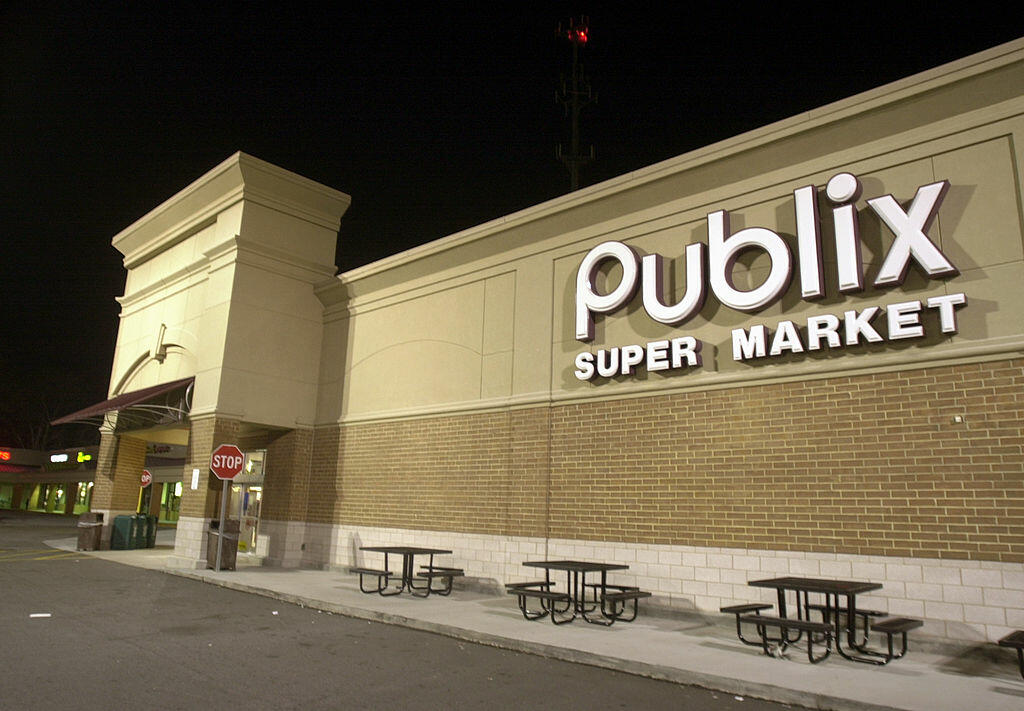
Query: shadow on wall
x=355, y=543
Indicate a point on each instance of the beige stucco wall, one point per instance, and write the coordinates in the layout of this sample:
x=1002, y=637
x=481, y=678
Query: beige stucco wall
x=220, y=286
x=485, y=318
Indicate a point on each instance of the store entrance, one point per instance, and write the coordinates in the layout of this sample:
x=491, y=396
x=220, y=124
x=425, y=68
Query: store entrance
x=245, y=502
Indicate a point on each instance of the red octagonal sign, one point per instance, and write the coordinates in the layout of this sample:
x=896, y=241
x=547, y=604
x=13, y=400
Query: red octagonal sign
x=227, y=461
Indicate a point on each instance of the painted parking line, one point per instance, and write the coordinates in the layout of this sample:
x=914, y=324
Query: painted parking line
x=40, y=554
x=60, y=554
x=14, y=554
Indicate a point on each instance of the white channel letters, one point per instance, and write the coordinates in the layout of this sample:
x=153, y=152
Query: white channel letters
x=711, y=266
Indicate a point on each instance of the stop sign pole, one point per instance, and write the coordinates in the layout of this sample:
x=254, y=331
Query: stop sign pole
x=225, y=463
x=144, y=481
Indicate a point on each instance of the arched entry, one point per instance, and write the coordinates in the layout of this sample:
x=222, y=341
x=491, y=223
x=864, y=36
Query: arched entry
x=133, y=425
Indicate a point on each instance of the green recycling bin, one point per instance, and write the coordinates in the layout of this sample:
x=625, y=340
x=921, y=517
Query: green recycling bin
x=121, y=538
x=143, y=531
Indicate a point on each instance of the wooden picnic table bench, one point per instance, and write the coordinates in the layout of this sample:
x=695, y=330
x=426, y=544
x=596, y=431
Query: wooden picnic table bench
x=896, y=625
x=747, y=608
x=788, y=623
x=613, y=604
x=418, y=583
x=529, y=584
x=605, y=604
x=446, y=575
x=1015, y=640
x=381, y=575
x=540, y=590
x=838, y=617
x=863, y=614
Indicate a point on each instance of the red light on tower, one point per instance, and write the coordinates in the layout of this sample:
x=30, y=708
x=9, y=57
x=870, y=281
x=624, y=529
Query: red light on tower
x=574, y=95
x=577, y=34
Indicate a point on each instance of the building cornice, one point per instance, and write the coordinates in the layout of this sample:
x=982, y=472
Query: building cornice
x=240, y=177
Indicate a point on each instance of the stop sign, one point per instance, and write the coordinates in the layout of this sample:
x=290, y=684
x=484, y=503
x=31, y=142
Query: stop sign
x=146, y=479
x=227, y=461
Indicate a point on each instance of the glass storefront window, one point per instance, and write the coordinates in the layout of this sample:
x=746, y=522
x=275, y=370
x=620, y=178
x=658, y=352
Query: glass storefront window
x=246, y=500
x=84, y=497
x=170, y=502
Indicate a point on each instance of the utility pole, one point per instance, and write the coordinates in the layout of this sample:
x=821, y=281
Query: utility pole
x=574, y=97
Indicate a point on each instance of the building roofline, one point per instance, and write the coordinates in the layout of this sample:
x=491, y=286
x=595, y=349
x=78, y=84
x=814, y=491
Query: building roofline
x=899, y=90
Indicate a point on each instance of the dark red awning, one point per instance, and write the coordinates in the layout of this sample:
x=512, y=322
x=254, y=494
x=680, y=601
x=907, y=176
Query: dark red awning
x=136, y=398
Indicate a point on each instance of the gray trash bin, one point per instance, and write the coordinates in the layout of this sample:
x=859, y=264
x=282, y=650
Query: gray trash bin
x=227, y=559
x=90, y=527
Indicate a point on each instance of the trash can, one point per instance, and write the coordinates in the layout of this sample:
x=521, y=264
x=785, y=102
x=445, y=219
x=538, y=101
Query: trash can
x=227, y=557
x=121, y=538
x=90, y=526
x=143, y=531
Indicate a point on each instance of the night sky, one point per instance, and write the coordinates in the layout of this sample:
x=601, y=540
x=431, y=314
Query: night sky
x=432, y=120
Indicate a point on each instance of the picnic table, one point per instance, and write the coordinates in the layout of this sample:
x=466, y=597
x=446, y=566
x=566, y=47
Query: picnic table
x=607, y=602
x=840, y=614
x=417, y=582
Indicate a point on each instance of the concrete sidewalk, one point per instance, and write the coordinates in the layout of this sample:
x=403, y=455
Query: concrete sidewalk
x=696, y=650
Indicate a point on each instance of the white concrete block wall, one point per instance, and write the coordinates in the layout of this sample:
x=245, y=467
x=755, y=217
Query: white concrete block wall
x=190, y=543
x=286, y=542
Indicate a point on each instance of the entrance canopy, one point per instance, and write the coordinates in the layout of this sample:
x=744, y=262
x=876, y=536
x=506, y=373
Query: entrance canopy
x=163, y=404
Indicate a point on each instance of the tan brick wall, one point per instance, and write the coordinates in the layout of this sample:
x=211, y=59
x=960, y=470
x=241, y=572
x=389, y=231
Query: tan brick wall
x=119, y=468
x=131, y=460
x=446, y=473
x=867, y=465
x=530, y=473
x=325, y=479
x=872, y=464
x=103, y=480
x=286, y=484
x=287, y=468
x=206, y=433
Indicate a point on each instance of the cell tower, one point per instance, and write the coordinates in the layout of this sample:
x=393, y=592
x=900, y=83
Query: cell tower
x=574, y=96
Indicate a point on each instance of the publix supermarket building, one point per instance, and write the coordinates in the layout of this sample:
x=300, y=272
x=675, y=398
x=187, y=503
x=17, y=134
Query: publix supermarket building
x=800, y=350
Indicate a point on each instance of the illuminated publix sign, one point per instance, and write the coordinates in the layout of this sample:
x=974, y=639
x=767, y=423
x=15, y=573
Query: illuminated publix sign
x=709, y=268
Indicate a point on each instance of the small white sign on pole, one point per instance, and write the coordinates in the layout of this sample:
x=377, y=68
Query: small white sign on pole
x=195, y=479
